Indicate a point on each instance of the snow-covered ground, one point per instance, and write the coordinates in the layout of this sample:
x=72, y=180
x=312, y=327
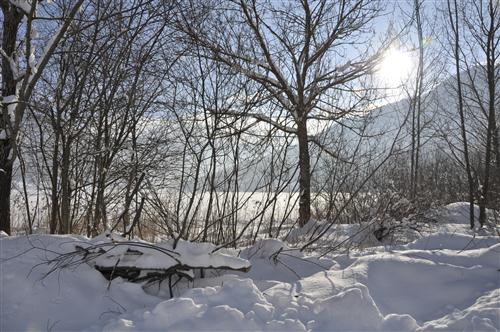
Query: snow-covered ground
x=448, y=279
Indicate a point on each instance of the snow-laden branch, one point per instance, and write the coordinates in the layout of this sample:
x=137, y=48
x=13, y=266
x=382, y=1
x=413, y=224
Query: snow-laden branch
x=24, y=5
x=12, y=64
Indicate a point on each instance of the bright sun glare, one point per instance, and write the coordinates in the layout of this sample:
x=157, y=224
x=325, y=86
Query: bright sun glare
x=395, y=68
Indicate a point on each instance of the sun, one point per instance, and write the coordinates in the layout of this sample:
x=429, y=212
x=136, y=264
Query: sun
x=395, y=69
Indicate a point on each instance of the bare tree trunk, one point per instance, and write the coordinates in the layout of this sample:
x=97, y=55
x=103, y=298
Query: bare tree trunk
x=11, y=20
x=456, y=46
x=304, y=174
x=485, y=192
x=98, y=169
x=491, y=54
x=496, y=169
x=65, y=226
x=22, y=165
x=5, y=183
x=413, y=145
x=418, y=97
x=213, y=192
x=20, y=88
x=54, y=176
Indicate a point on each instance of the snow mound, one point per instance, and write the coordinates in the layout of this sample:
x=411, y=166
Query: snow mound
x=457, y=213
x=265, y=248
x=450, y=219
x=483, y=315
x=453, y=241
x=454, y=217
x=235, y=305
x=423, y=284
x=273, y=260
x=66, y=300
x=352, y=309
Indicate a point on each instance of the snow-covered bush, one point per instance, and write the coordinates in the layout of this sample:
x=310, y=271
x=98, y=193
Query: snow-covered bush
x=141, y=261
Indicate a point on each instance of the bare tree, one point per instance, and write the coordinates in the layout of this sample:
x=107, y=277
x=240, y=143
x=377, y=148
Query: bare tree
x=299, y=53
x=416, y=105
x=17, y=87
x=482, y=23
x=455, y=40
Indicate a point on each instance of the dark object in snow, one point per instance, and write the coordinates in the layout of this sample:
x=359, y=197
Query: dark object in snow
x=139, y=261
x=381, y=232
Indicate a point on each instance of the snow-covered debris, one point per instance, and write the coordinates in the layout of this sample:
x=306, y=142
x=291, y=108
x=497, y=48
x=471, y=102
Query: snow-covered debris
x=113, y=251
x=202, y=255
x=136, y=260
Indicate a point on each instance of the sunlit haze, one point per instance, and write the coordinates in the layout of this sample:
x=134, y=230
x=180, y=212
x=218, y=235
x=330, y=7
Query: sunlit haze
x=395, y=69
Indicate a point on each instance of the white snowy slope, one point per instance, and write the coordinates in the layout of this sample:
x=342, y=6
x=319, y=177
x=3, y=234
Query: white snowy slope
x=69, y=299
x=446, y=281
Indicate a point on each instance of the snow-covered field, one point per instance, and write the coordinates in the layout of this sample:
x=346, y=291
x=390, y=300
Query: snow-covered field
x=448, y=279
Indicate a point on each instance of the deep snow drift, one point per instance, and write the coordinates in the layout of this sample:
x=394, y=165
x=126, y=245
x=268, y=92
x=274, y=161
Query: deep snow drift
x=449, y=280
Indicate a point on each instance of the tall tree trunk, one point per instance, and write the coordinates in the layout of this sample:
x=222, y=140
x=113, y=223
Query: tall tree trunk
x=213, y=167
x=456, y=49
x=97, y=178
x=485, y=192
x=5, y=183
x=100, y=208
x=54, y=190
x=490, y=72
x=65, y=190
x=496, y=169
x=418, y=97
x=304, y=173
x=11, y=20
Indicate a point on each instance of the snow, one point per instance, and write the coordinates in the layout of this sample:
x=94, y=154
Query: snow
x=12, y=99
x=163, y=255
x=69, y=299
x=288, y=265
x=454, y=241
x=483, y=315
x=234, y=305
x=32, y=61
x=24, y=5
x=448, y=280
x=11, y=102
